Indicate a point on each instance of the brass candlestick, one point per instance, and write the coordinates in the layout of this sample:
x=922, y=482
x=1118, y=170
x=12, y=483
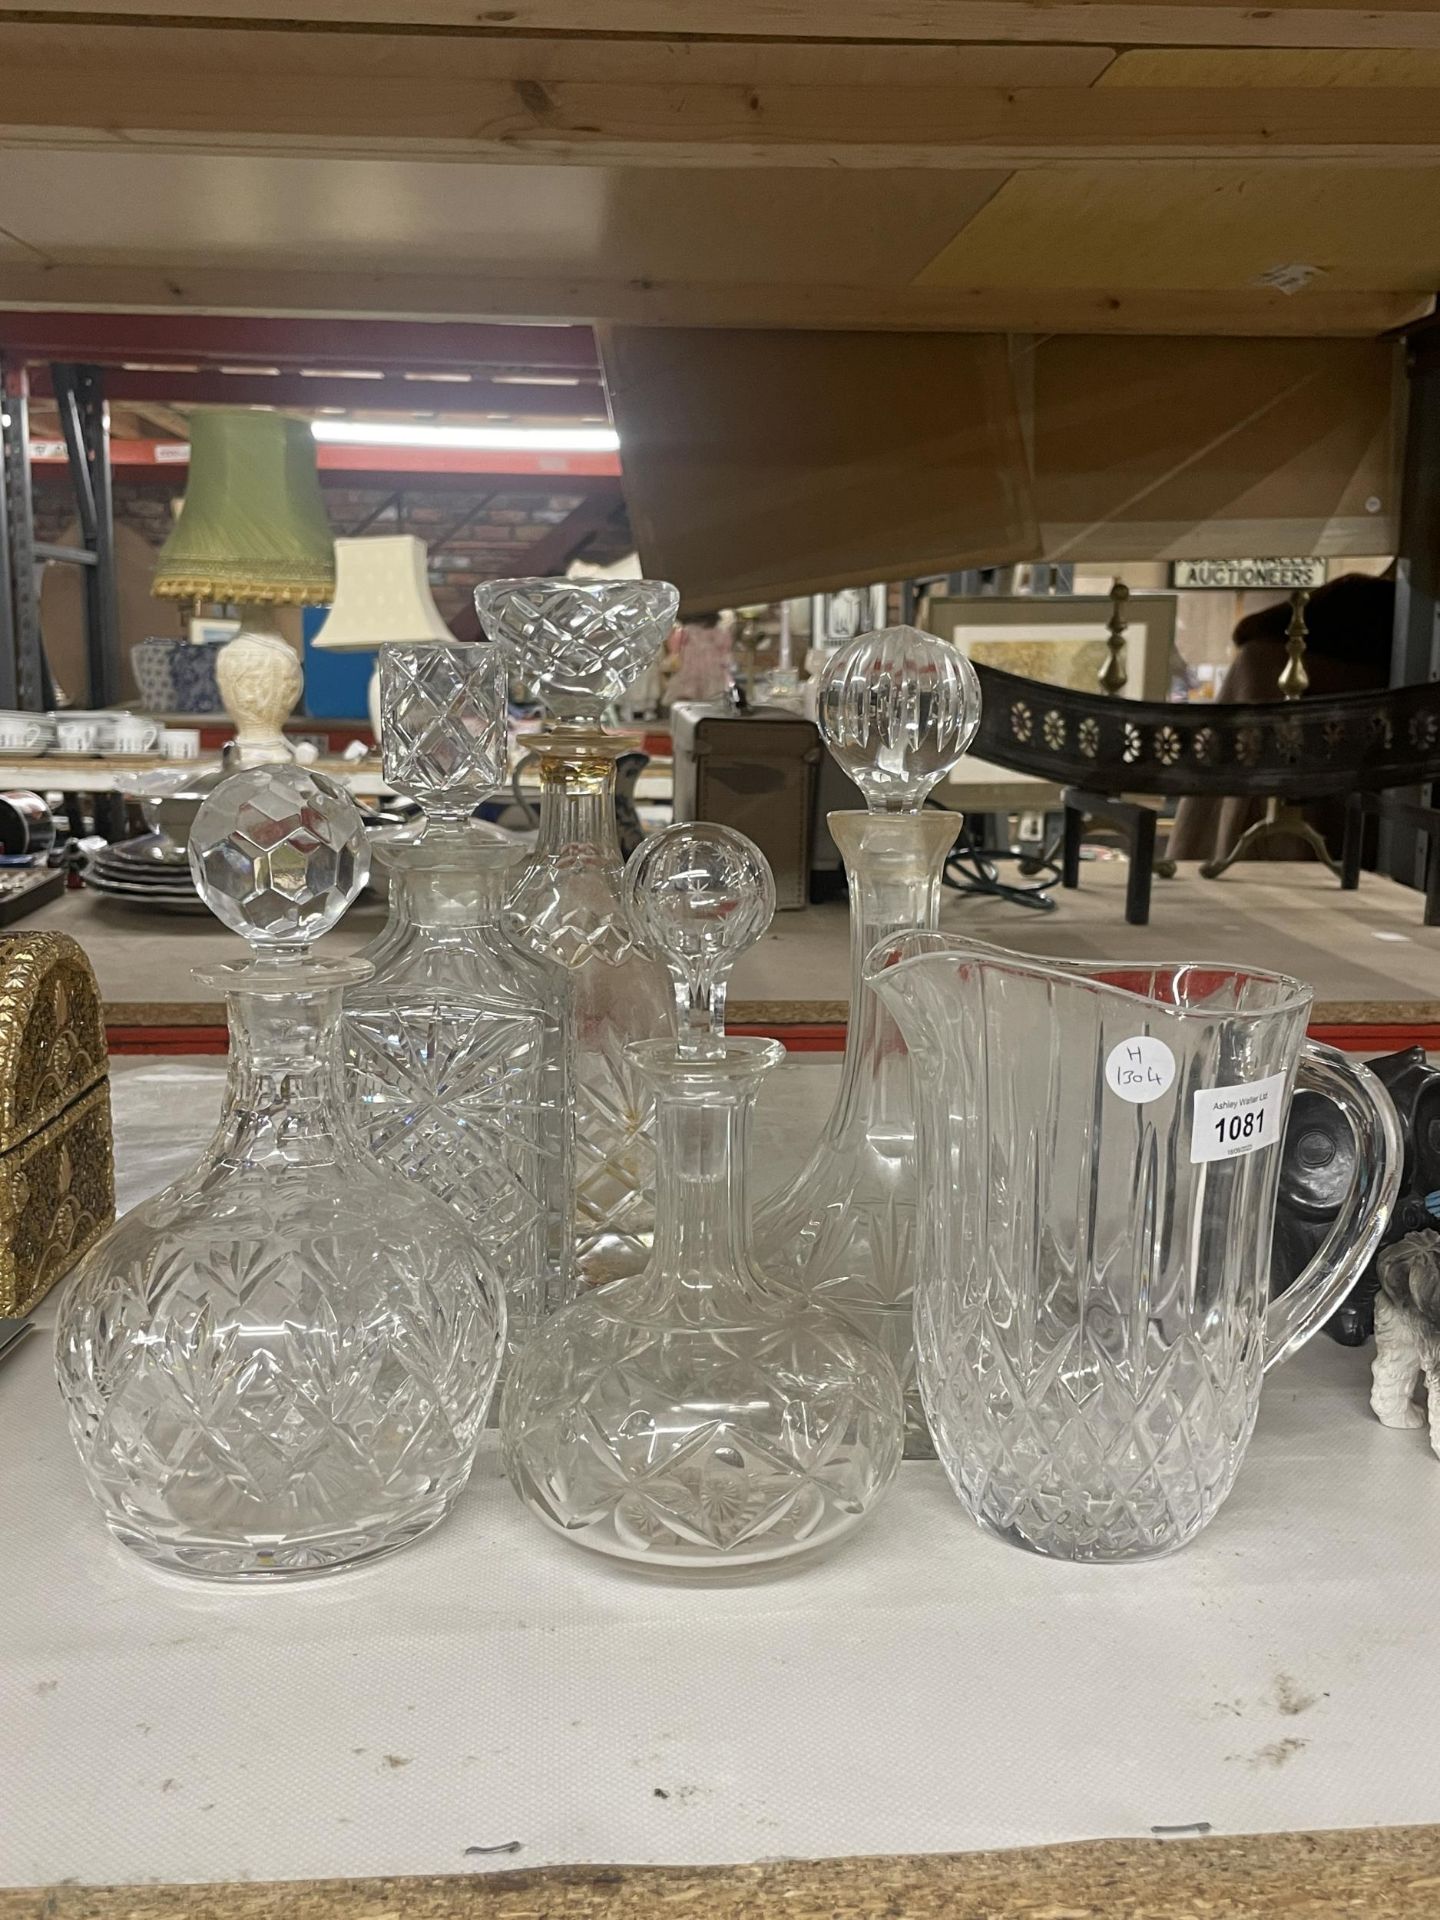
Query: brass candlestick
x=1294, y=680
x=1282, y=818
x=1113, y=674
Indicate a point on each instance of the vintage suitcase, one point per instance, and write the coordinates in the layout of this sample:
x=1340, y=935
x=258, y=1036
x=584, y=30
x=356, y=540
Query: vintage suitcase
x=57, y=1175
x=755, y=771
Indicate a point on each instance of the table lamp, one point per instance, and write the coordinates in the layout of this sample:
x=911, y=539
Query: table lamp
x=252, y=531
x=382, y=596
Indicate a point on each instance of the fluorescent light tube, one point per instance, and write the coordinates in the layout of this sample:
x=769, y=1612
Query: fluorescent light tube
x=358, y=433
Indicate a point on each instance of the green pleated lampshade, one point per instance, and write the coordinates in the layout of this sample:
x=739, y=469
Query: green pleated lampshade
x=253, y=525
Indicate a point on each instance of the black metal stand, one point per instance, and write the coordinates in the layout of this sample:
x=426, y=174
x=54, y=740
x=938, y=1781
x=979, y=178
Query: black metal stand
x=21, y=662
x=1415, y=652
x=1391, y=810
x=24, y=676
x=85, y=426
x=1137, y=823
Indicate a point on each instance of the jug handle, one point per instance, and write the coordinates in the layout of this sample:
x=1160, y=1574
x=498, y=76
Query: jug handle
x=1345, y=1251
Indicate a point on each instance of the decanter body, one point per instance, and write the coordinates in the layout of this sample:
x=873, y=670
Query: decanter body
x=844, y=1227
x=583, y=643
x=567, y=912
x=701, y=1415
x=456, y=1059
x=281, y=1364
x=897, y=709
x=457, y=1046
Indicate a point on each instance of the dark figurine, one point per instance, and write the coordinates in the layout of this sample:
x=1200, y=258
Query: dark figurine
x=1315, y=1164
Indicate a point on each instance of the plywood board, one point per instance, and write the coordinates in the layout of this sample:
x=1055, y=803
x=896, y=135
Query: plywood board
x=202, y=210
x=1323, y=23
x=1157, y=449
x=519, y=100
x=29, y=52
x=1274, y=67
x=1199, y=227
x=424, y=289
x=763, y=465
x=760, y=465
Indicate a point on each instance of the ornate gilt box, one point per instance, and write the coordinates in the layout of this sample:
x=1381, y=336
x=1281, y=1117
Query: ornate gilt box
x=57, y=1173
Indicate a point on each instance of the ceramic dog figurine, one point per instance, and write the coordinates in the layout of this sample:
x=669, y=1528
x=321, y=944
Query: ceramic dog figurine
x=1407, y=1334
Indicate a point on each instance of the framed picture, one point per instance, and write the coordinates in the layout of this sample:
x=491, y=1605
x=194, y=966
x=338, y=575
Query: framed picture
x=1061, y=639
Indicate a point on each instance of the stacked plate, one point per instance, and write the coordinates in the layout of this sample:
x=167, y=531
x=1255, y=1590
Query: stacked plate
x=149, y=871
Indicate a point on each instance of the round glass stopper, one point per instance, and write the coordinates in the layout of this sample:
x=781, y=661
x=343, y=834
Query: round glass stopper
x=897, y=709
x=278, y=853
x=697, y=895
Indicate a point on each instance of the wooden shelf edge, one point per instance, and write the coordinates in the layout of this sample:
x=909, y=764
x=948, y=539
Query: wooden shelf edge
x=1386, y=1873
x=805, y=1026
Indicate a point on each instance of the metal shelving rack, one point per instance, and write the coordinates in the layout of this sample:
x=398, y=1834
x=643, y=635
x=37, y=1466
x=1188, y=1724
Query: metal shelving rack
x=85, y=428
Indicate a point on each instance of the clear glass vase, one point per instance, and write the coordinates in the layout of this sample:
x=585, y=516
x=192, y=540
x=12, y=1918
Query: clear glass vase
x=844, y=1227
x=457, y=1047
x=582, y=643
x=897, y=709
x=702, y=1415
x=281, y=1364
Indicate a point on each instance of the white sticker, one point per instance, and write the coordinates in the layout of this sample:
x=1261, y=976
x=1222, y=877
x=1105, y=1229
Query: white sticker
x=1140, y=1070
x=1229, y=1121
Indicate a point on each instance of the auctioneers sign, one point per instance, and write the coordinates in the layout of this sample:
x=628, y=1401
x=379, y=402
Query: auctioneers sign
x=1283, y=575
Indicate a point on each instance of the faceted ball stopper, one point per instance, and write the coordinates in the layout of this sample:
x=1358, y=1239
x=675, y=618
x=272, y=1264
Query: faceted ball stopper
x=442, y=723
x=580, y=643
x=697, y=896
x=278, y=853
x=897, y=709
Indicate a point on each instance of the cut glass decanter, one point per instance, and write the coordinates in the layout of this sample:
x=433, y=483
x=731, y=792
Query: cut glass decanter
x=456, y=1047
x=581, y=643
x=281, y=1364
x=897, y=709
x=702, y=1414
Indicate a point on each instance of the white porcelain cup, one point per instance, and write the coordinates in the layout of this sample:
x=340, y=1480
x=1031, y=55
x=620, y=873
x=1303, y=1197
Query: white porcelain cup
x=180, y=743
x=135, y=736
x=21, y=733
x=104, y=720
x=78, y=736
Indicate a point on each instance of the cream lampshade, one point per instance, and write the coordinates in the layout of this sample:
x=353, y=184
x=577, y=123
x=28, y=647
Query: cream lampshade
x=382, y=596
x=252, y=531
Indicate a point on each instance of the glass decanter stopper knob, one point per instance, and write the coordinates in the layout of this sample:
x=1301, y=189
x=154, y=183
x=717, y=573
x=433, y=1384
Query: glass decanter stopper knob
x=897, y=709
x=580, y=643
x=697, y=896
x=278, y=853
x=442, y=724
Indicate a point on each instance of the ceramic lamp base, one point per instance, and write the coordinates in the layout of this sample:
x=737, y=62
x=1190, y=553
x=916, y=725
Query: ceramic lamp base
x=260, y=680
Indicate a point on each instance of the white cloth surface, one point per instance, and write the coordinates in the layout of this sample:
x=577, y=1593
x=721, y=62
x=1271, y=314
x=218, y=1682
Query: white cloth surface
x=925, y=1688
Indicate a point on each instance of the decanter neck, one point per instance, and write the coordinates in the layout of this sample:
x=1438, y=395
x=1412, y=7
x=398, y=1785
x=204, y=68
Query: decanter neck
x=285, y=1096
x=703, y=1111
x=893, y=862
x=577, y=804
x=465, y=889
